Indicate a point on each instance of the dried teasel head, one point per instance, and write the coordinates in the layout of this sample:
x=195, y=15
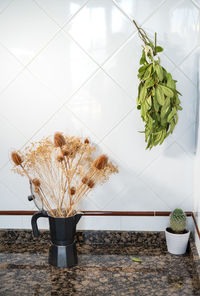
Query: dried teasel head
x=65, y=152
x=60, y=158
x=72, y=190
x=36, y=182
x=36, y=189
x=90, y=184
x=16, y=158
x=59, y=140
x=87, y=141
x=100, y=162
x=84, y=180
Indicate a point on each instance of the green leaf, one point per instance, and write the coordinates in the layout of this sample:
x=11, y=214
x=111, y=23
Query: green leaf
x=143, y=58
x=167, y=91
x=143, y=93
x=149, y=82
x=142, y=69
x=144, y=109
x=170, y=81
x=149, y=102
x=147, y=72
x=155, y=104
x=159, y=72
x=171, y=114
x=160, y=95
x=157, y=138
x=165, y=108
x=163, y=136
x=159, y=49
x=136, y=259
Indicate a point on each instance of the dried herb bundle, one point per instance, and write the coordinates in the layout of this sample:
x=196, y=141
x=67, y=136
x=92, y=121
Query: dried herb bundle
x=62, y=172
x=158, y=99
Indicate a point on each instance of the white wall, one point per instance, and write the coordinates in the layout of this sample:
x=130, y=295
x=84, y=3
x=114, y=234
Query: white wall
x=197, y=164
x=71, y=66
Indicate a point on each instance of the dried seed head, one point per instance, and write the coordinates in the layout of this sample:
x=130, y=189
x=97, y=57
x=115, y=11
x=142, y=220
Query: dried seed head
x=36, y=182
x=72, y=190
x=65, y=152
x=16, y=158
x=90, y=183
x=86, y=141
x=60, y=158
x=101, y=162
x=85, y=180
x=36, y=189
x=59, y=140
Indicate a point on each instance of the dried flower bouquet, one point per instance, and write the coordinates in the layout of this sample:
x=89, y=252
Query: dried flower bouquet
x=62, y=172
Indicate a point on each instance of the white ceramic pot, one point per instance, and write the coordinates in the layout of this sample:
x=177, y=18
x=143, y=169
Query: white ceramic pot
x=177, y=243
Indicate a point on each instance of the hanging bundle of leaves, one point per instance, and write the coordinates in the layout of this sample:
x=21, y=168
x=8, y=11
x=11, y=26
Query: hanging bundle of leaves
x=157, y=99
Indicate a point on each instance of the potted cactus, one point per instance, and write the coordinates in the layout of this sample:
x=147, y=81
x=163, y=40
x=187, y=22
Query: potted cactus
x=176, y=235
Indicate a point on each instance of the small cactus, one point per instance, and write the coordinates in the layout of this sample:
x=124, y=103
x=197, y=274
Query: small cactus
x=178, y=220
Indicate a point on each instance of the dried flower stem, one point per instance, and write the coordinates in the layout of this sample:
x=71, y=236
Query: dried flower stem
x=62, y=172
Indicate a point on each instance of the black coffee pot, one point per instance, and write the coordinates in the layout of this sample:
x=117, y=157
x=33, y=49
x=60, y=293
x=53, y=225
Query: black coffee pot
x=63, y=251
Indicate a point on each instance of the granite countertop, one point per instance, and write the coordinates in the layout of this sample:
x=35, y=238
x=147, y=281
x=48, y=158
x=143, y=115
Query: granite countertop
x=105, y=266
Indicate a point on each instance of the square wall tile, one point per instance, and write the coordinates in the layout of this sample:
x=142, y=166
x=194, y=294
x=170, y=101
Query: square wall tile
x=25, y=29
x=66, y=122
x=129, y=145
x=109, y=29
x=4, y=4
x=177, y=27
x=15, y=188
x=124, y=64
x=190, y=66
x=11, y=222
x=99, y=223
x=61, y=11
x=10, y=67
x=167, y=174
x=136, y=196
x=94, y=104
x=28, y=104
x=188, y=115
x=148, y=223
x=139, y=10
x=12, y=139
x=62, y=66
x=9, y=200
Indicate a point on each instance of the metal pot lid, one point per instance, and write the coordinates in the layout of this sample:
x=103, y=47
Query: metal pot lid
x=36, y=198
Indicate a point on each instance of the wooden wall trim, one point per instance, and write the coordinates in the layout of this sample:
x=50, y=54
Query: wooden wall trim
x=110, y=213
x=100, y=213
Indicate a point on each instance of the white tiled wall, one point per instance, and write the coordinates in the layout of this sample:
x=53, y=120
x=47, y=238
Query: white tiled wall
x=197, y=166
x=72, y=66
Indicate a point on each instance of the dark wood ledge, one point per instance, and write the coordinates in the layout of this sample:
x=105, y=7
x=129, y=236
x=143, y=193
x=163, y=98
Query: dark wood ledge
x=111, y=213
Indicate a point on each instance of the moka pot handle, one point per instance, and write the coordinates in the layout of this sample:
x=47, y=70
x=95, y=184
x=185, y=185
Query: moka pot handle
x=34, y=221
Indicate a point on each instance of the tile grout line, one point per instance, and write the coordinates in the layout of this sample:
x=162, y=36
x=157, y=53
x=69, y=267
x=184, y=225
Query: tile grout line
x=25, y=66
x=67, y=21
x=129, y=17
x=188, y=55
x=64, y=103
x=2, y=11
x=131, y=35
x=196, y=5
x=118, y=123
x=100, y=66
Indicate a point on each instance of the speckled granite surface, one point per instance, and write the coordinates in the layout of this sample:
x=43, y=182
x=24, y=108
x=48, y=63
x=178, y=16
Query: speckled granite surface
x=105, y=266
